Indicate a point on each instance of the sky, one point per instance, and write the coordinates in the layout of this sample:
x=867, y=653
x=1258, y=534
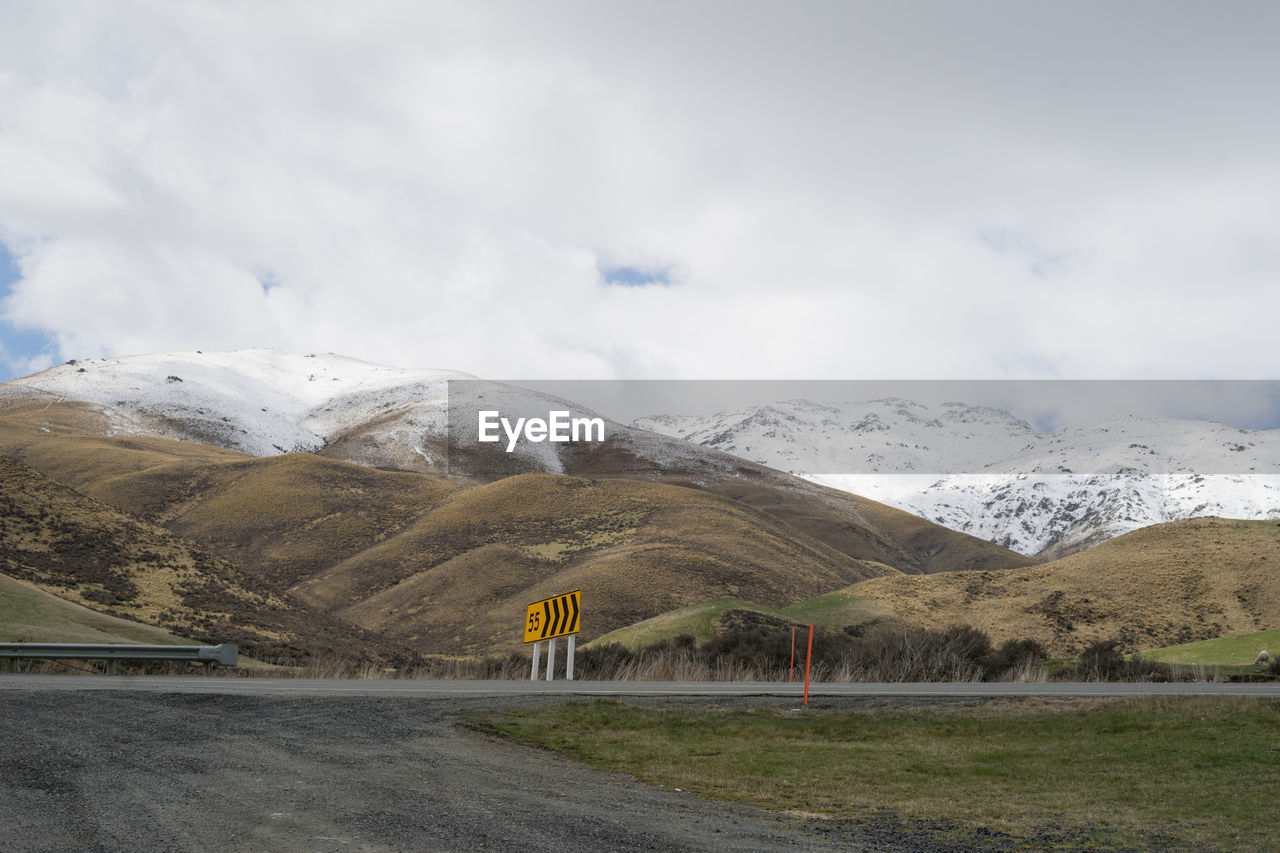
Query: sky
x=657, y=190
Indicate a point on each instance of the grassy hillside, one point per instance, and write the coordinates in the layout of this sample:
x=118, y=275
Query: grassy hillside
x=706, y=620
x=1230, y=651
x=461, y=575
x=1188, y=580
x=28, y=614
x=289, y=517
x=857, y=526
x=301, y=551
x=77, y=443
x=87, y=553
x=448, y=566
x=286, y=517
x=865, y=529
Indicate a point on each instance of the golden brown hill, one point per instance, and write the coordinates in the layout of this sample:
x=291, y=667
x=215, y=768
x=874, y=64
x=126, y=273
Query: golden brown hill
x=1170, y=583
x=857, y=526
x=86, y=552
x=77, y=444
x=459, y=578
x=174, y=481
x=868, y=530
x=284, y=517
x=288, y=517
x=448, y=566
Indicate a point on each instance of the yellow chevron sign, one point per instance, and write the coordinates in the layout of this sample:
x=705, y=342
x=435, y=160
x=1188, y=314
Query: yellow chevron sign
x=552, y=617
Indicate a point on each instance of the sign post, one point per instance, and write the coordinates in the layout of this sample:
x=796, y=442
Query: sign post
x=550, y=618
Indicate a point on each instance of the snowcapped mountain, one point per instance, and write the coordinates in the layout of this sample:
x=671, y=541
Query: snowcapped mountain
x=982, y=471
x=259, y=401
x=891, y=436
x=975, y=469
x=264, y=402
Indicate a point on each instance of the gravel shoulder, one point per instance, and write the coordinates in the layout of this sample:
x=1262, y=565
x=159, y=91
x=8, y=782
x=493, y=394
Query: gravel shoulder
x=134, y=771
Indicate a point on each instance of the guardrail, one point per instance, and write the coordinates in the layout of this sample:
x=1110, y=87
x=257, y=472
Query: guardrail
x=225, y=654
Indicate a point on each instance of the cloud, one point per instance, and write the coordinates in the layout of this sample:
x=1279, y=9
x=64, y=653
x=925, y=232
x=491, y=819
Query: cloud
x=840, y=190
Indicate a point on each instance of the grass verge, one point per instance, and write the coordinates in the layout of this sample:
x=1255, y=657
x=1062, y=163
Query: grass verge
x=1238, y=651
x=1153, y=773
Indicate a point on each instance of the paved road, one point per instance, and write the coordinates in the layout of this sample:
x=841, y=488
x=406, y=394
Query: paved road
x=232, y=686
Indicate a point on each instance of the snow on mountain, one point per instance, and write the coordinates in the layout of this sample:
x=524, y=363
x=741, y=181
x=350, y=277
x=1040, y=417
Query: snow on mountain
x=884, y=436
x=258, y=401
x=984, y=472
x=265, y=402
x=974, y=469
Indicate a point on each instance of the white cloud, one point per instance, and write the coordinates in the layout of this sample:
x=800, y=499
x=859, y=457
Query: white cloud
x=441, y=185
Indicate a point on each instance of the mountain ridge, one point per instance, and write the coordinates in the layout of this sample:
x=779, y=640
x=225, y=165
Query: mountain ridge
x=432, y=560
x=408, y=426
x=984, y=471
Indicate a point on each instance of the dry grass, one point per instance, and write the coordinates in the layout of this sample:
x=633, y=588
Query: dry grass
x=1171, y=583
x=293, y=516
x=856, y=526
x=84, y=552
x=459, y=577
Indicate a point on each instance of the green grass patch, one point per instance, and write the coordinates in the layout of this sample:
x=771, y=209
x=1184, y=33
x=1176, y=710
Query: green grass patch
x=834, y=611
x=697, y=619
x=1231, y=651
x=1193, y=770
x=32, y=615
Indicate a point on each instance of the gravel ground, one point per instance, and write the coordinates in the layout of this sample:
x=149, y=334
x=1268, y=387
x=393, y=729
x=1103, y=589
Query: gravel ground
x=124, y=771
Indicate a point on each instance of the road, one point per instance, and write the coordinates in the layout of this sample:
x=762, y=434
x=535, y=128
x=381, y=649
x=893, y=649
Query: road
x=246, y=764
x=231, y=686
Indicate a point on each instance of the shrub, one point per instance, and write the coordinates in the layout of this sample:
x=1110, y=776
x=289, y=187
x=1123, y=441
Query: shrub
x=1013, y=658
x=1103, y=661
x=770, y=649
x=601, y=662
x=890, y=652
x=965, y=643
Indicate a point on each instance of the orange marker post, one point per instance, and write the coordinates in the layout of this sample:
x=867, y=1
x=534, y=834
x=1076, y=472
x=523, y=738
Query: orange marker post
x=807, y=659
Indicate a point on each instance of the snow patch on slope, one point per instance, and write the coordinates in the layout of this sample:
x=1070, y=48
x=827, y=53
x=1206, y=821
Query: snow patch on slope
x=264, y=402
x=259, y=401
x=982, y=471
